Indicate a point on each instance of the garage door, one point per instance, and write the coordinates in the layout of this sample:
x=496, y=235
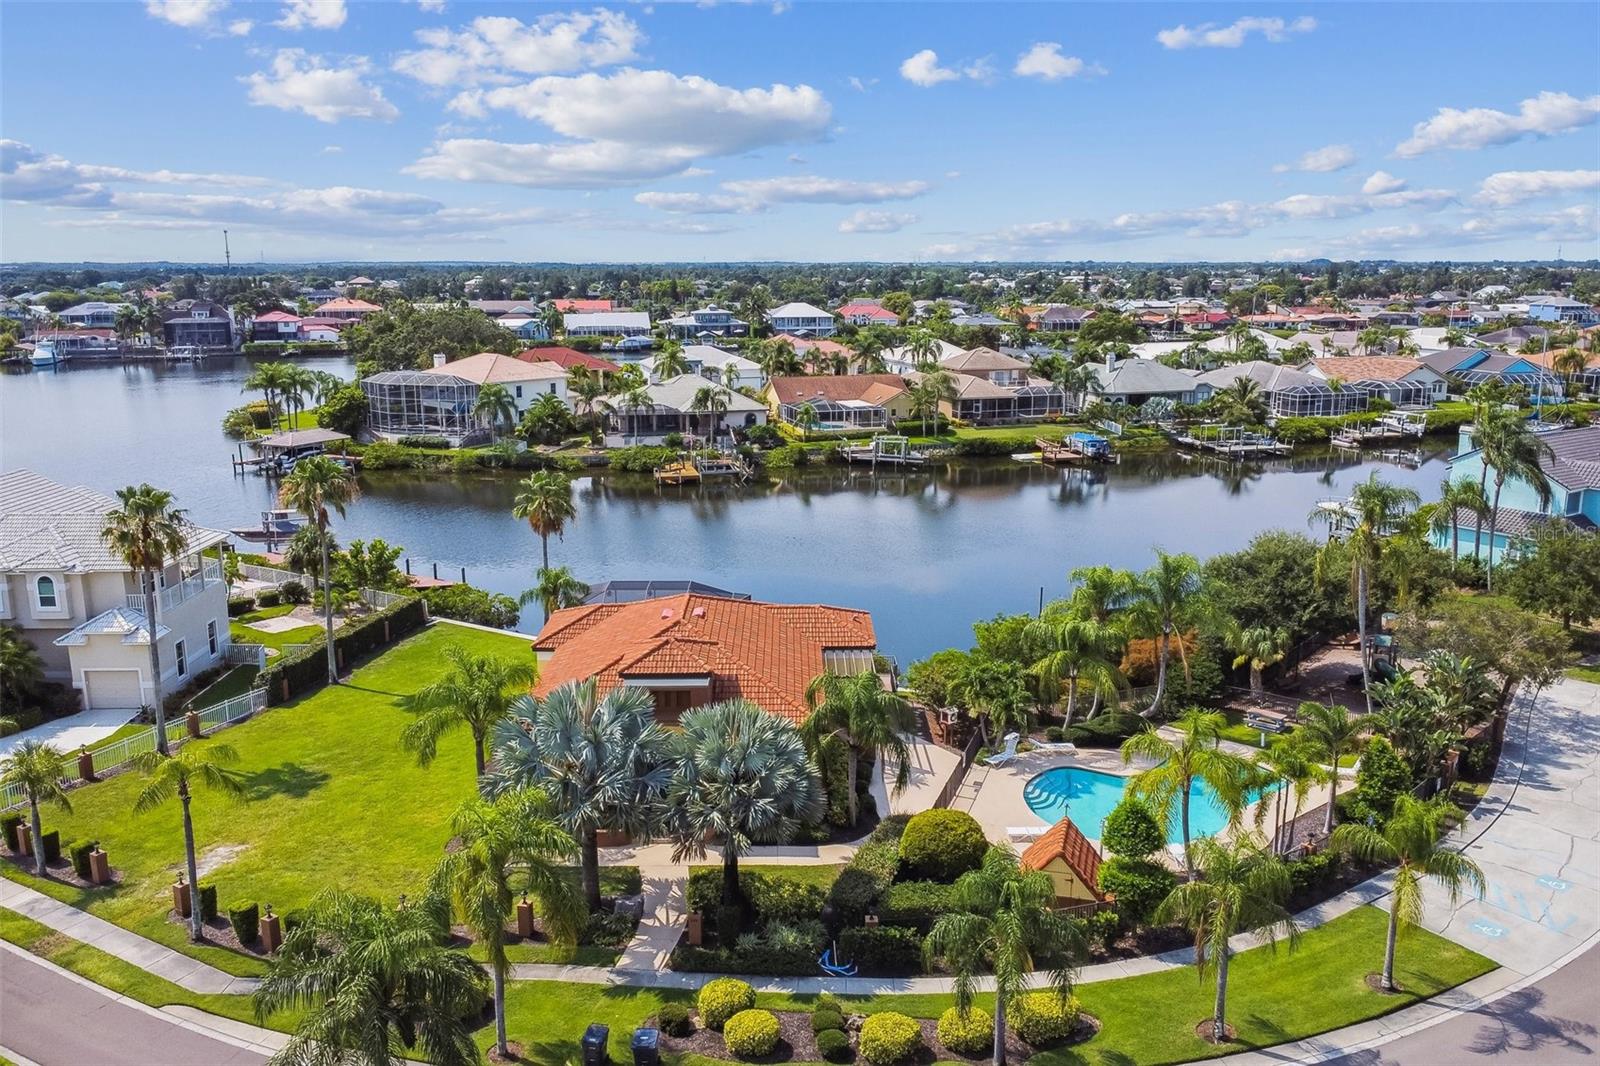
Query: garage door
x=112, y=689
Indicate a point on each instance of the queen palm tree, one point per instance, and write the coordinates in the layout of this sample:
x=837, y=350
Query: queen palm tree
x=1462, y=494
x=867, y=352
x=1332, y=732
x=374, y=984
x=742, y=775
x=1100, y=592
x=1375, y=507
x=511, y=844
x=1075, y=651
x=1260, y=647
x=203, y=765
x=670, y=361
x=807, y=418
x=1242, y=889
x=633, y=401
x=1076, y=381
x=298, y=385
x=1197, y=755
x=854, y=715
x=544, y=501
x=1165, y=602
x=126, y=323
x=1242, y=401
x=1411, y=840
x=1514, y=451
x=1290, y=764
x=314, y=487
x=269, y=379
x=36, y=769
x=1570, y=362
x=21, y=668
x=923, y=348
x=477, y=692
x=754, y=307
x=557, y=589
x=603, y=761
x=936, y=387
x=777, y=359
x=1004, y=921
x=730, y=375
x=712, y=401
x=495, y=407
x=145, y=531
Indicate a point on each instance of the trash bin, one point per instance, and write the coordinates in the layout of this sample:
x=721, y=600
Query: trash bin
x=594, y=1045
x=646, y=1047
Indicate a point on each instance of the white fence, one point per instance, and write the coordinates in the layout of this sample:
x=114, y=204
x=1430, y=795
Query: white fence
x=271, y=575
x=247, y=655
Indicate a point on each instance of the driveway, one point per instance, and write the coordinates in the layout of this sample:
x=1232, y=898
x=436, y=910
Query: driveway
x=72, y=732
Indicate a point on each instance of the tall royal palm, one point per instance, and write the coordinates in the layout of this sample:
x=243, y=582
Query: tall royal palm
x=203, y=765
x=1515, y=452
x=1196, y=755
x=1373, y=511
x=544, y=501
x=36, y=769
x=742, y=775
x=509, y=845
x=1003, y=921
x=1167, y=600
x=146, y=532
x=1411, y=839
x=1242, y=889
x=1332, y=732
x=316, y=486
x=477, y=692
x=857, y=717
x=604, y=763
x=1073, y=652
x=375, y=985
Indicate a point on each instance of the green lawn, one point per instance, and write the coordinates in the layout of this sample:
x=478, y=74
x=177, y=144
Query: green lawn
x=244, y=634
x=1590, y=674
x=235, y=682
x=1240, y=733
x=333, y=801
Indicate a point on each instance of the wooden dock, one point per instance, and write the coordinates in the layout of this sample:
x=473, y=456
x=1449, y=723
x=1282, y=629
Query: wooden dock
x=887, y=449
x=692, y=469
x=1236, y=442
x=1394, y=426
x=1075, y=448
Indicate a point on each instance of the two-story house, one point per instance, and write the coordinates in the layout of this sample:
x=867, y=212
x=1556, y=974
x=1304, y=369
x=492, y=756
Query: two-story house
x=92, y=314
x=801, y=319
x=1562, y=309
x=1572, y=475
x=82, y=608
x=203, y=324
x=708, y=321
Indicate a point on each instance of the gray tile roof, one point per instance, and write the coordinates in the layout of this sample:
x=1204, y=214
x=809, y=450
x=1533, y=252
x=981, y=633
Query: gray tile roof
x=1575, y=458
x=46, y=526
x=1272, y=377
x=1143, y=377
x=119, y=621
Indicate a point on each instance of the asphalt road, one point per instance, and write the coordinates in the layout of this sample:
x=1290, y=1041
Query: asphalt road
x=1554, y=1022
x=56, y=1021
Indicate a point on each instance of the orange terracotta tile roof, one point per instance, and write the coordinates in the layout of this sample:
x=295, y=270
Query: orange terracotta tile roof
x=871, y=388
x=1369, y=367
x=571, y=305
x=802, y=345
x=765, y=652
x=1547, y=359
x=1064, y=841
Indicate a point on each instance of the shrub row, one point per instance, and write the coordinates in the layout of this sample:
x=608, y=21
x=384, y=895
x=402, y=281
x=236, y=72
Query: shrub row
x=867, y=876
x=238, y=605
x=762, y=959
x=307, y=669
x=916, y=904
x=773, y=897
x=465, y=603
x=891, y=950
x=641, y=458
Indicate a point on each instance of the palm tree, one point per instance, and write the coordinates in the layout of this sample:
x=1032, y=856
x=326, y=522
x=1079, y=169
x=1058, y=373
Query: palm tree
x=1077, y=382
x=730, y=375
x=21, y=668
x=1411, y=840
x=1196, y=756
x=856, y=716
x=558, y=589
x=1004, y=919
x=1372, y=512
x=1261, y=647
x=712, y=401
x=495, y=406
x=1569, y=363
x=604, y=763
x=146, y=531
x=754, y=307
x=1291, y=765
x=807, y=418
x=1331, y=731
x=374, y=983
x=670, y=361
x=1243, y=401
x=545, y=503
x=478, y=693
x=867, y=353
x=205, y=765
x=315, y=486
x=297, y=386
x=269, y=379
x=1167, y=599
x=126, y=323
x=742, y=775
x=635, y=400
x=923, y=348
x=37, y=770
x=1515, y=452
x=937, y=387
x=1076, y=651
x=777, y=359
x=1242, y=889
x=1463, y=494
x=515, y=838
x=1100, y=592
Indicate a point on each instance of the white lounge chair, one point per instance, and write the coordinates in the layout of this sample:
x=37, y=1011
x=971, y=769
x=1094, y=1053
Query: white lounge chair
x=1057, y=747
x=1026, y=832
x=1005, y=755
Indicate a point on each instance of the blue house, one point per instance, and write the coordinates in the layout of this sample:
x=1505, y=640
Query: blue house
x=1561, y=309
x=1472, y=366
x=1572, y=471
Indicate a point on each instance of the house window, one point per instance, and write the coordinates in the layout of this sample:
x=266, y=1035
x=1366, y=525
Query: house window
x=211, y=636
x=552, y=388
x=519, y=392
x=182, y=655
x=45, y=592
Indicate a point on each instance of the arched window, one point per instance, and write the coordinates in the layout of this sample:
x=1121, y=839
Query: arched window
x=46, y=590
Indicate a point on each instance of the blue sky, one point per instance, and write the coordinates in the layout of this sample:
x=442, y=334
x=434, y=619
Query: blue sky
x=828, y=131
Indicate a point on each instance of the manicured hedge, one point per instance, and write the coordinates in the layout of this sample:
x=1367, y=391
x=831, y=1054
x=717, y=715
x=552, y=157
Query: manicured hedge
x=967, y=1034
x=1139, y=885
x=917, y=904
x=238, y=605
x=307, y=669
x=78, y=852
x=721, y=999
x=867, y=876
x=884, y=949
x=246, y=922
x=1106, y=731
x=208, y=902
x=834, y=1045
x=773, y=896
x=942, y=844
x=52, y=846
x=1042, y=1017
x=824, y=1020
x=762, y=959
x=750, y=1034
x=673, y=1019
x=890, y=1038
x=9, y=824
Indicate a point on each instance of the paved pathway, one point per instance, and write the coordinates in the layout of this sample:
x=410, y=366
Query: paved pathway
x=74, y=731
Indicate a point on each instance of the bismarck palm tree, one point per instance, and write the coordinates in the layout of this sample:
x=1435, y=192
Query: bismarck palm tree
x=557, y=589
x=1375, y=508
x=1332, y=732
x=1516, y=453
x=478, y=693
x=376, y=985
x=1242, y=889
x=1004, y=920
x=495, y=407
x=1196, y=756
x=544, y=501
x=511, y=844
x=146, y=531
x=203, y=765
x=1260, y=647
x=1411, y=840
x=1463, y=494
x=742, y=776
x=1167, y=599
x=604, y=763
x=316, y=486
x=37, y=769
x=857, y=717
x=1075, y=652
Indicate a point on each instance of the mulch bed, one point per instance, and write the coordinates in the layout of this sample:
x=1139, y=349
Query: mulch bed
x=62, y=871
x=1375, y=982
x=219, y=934
x=1206, y=1031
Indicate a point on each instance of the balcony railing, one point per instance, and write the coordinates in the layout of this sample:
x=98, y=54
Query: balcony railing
x=210, y=573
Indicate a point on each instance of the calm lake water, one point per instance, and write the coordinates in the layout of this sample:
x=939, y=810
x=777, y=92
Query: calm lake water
x=927, y=553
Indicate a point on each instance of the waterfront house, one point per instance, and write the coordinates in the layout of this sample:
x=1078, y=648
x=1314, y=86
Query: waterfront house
x=840, y=403
x=713, y=364
x=706, y=322
x=1137, y=381
x=801, y=319
x=1514, y=336
x=867, y=313
x=82, y=608
x=1587, y=379
x=1288, y=393
x=673, y=410
x=568, y=359
x=1562, y=309
x=690, y=650
x=1572, y=470
x=439, y=401
x=79, y=341
x=320, y=330
x=606, y=324
x=1061, y=318
x=979, y=401
x=201, y=324
x=1070, y=861
x=501, y=309
x=526, y=329
x=901, y=361
x=1473, y=366
x=992, y=366
x=346, y=309
x=97, y=314
x=275, y=326
x=1402, y=381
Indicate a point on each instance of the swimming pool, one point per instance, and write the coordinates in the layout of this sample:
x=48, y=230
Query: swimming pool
x=1089, y=796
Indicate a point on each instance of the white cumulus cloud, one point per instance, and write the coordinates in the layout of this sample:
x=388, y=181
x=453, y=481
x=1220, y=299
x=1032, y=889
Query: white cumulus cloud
x=1382, y=181
x=1514, y=186
x=202, y=15
x=1545, y=115
x=865, y=221
x=312, y=15
x=299, y=81
x=1044, y=60
x=1322, y=160
x=1210, y=35
x=814, y=190
x=923, y=69
x=494, y=49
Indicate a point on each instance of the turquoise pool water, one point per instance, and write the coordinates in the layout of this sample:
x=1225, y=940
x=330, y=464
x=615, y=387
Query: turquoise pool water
x=1089, y=796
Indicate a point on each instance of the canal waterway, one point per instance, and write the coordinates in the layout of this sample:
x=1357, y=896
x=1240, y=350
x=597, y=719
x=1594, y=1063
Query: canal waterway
x=926, y=552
